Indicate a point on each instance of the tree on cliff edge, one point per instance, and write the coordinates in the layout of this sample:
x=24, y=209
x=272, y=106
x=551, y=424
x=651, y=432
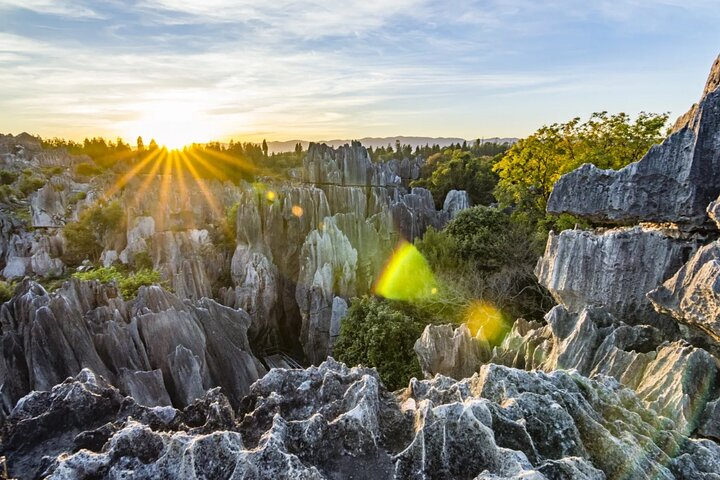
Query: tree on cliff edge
x=532, y=166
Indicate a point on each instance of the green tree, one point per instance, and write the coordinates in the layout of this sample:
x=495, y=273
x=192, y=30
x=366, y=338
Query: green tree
x=532, y=166
x=486, y=255
x=85, y=238
x=458, y=170
x=377, y=335
x=264, y=148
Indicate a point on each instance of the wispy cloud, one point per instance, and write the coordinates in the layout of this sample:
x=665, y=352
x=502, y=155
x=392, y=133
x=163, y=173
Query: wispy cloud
x=324, y=68
x=73, y=9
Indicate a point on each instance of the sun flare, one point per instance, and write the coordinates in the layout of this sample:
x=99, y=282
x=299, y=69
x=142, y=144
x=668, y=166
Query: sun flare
x=172, y=124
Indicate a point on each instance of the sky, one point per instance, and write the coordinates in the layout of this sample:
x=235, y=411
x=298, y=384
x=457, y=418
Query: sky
x=184, y=70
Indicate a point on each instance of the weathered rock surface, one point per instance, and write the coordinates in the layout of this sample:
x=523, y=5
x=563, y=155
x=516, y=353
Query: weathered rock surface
x=155, y=347
x=674, y=182
x=455, y=202
x=614, y=269
x=449, y=351
x=692, y=295
x=335, y=422
x=675, y=379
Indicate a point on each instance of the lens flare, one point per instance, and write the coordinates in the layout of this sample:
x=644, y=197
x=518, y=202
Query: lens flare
x=270, y=195
x=487, y=321
x=407, y=276
x=297, y=210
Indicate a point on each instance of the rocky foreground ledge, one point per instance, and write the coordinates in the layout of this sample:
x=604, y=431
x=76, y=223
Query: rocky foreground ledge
x=337, y=422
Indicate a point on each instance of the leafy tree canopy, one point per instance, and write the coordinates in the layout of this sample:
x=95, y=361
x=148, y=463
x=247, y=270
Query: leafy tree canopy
x=375, y=334
x=532, y=166
x=457, y=169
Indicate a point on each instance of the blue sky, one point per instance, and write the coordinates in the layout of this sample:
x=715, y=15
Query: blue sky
x=194, y=71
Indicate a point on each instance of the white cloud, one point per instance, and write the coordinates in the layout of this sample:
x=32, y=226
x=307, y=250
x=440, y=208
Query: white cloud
x=53, y=7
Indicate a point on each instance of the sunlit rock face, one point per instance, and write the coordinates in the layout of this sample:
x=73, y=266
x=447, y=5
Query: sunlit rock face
x=336, y=422
x=155, y=347
x=615, y=269
x=455, y=202
x=302, y=248
x=675, y=379
x=673, y=183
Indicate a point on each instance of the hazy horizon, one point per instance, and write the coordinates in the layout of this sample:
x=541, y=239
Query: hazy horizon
x=183, y=72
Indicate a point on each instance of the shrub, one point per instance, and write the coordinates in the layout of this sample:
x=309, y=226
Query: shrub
x=88, y=169
x=375, y=334
x=30, y=183
x=7, y=177
x=7, y=290
x=128, y=282
x=142, y=261
x=85, y=238
x=485, y=255
x=8, y=194
x=53, y=170
x=79, y=196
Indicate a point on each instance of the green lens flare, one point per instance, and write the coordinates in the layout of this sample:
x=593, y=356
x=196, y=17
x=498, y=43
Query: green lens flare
x=407, y=276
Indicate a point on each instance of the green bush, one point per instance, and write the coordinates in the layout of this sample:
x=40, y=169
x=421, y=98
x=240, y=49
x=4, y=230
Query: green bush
x=142, y=261
x=8, y=193
x=377, y=335
x=7, y=177
x=79, y=196
x=88, y=169
x=485, y=255
x=85, y=238
x=6, y=291
x=128, y=282
x=489, y=238
x=53, y=170
x=30, y=183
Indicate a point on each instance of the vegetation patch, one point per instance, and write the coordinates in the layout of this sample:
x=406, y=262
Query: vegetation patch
x=375, y=334
x=128, y=282
x=86, y=237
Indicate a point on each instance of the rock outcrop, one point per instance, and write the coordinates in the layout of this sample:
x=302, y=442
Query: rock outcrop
x=614, y=269
x=335, y=422
x=155, y=347
x=673, y=183
x=692, y=295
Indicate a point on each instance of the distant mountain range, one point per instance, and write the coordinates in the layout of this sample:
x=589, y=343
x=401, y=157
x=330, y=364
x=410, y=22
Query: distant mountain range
x=375, y=142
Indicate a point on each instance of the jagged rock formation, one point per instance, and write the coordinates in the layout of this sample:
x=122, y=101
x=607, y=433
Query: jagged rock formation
x=303, y=249
x=156, y=348
x=673, y=183
x=691, y=295
x=615, y=269
x=674, y=378
x=335, y=422
x=287, y=269
x=616, y=317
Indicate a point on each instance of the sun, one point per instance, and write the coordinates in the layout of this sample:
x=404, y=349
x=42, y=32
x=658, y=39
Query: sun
x=171, y=124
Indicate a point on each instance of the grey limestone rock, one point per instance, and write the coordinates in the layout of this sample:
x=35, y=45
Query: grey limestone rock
x=336, y=422
x=692, y=295
x=614, y=269
x=673, y=182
